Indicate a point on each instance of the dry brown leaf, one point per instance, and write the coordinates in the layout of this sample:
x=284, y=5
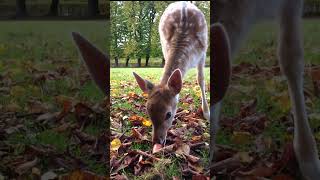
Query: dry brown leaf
x=23, y=168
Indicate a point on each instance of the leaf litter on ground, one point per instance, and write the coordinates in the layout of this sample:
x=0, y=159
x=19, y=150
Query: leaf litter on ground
x=132, y=152
x=252, y=147
x=43, y=138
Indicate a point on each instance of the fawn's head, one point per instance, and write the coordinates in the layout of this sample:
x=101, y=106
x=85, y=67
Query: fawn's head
x=161, y=103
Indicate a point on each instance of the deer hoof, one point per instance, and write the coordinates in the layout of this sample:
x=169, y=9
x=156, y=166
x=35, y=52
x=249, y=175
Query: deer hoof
x=206, y=115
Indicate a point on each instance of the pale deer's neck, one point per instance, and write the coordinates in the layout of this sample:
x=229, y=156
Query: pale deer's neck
x=175, y=61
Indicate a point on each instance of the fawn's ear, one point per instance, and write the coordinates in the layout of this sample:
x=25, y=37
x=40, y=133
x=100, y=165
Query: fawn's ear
x=97, y=63
x=175, y=81
x=221, y=66
x=145, y=85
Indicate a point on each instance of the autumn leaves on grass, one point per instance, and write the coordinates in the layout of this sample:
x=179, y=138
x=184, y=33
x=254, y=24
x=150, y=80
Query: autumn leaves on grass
x=132, y=151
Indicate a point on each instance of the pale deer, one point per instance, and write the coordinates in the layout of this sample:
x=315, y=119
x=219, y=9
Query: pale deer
x=238, y=17
x=183, y=35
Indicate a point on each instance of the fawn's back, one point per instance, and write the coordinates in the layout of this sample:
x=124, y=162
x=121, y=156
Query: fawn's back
x=183, y=34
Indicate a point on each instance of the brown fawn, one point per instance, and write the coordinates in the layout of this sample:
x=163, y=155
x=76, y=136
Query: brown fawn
x=238, y=17
x=183, y=36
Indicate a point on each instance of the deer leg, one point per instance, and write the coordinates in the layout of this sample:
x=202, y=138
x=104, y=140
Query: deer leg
x=292, y=64
x=201, y=82
x=214, y=124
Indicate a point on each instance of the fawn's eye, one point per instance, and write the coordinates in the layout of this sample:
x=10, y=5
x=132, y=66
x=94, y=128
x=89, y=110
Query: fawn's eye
x=168, y=115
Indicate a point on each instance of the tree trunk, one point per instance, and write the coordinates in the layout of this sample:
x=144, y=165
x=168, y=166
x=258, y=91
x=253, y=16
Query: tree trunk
x=108, y=11
x=21, y=10
x=163, y=62
x=147, y=59
x=152, y=14
x=54, y=8
x=93, y=8
x=116, y=60
x=127, y=61
x=139, y=61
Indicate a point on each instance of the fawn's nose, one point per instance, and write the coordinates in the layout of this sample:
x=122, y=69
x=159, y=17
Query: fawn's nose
x=160, y=140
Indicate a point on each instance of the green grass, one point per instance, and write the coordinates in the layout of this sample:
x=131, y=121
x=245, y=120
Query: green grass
x=47, y=46
x=120, y=76
x=262, y=43
x=43, y=40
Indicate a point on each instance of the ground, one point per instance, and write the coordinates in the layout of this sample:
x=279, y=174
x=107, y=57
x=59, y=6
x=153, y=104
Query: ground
x=131, y=146
x=52, y=116
x=256, y=126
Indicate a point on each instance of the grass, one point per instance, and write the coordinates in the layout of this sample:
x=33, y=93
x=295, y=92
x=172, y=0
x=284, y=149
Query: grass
x=153, y=62
x=271, y=92
x=29, y=50
x=123, y=83
x=262, y=43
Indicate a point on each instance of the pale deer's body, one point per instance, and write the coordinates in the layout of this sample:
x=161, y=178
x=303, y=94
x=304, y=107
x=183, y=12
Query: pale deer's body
x=238, y=16
x=183, y=36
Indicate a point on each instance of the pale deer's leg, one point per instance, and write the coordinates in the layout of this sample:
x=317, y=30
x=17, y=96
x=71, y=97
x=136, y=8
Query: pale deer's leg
x=201, y=82
x=214, y=124
x=237, y=32
x=292, y=64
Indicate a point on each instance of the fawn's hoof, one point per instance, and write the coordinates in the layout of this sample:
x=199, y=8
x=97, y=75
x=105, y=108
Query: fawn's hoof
x=206, y=115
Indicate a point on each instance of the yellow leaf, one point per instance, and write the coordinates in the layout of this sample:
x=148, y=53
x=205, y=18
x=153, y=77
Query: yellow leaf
x=196, y=138
x=198, y=93
x=132, y=95
x=146, y=122
x=206, y=135
x=186, y=111
x=145, y=95
x=115, y=144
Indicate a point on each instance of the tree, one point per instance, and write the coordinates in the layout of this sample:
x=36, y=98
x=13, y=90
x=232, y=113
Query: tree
x=93, y=8
x=54, y=8
x=21, y=10
x=134, y=26
x=150, y=19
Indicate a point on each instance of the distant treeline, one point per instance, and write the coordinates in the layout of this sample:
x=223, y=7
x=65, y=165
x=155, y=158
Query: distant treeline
x=23, y=9
x=311, y=8
x=134, y=31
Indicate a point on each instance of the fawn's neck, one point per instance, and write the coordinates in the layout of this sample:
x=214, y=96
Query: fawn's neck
x=176, y=60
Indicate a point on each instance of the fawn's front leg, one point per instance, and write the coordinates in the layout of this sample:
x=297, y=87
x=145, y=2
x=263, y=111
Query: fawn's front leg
x=201, y=82
x=292, y=65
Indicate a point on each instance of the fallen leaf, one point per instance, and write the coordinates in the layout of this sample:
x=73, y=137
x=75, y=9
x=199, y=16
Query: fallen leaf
x=146, y=122
x=200, y=177
x=49, y=175
x=23, y=168
x=78, y=174
x=115, y=144
x=156, y=148
x=183, y=149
